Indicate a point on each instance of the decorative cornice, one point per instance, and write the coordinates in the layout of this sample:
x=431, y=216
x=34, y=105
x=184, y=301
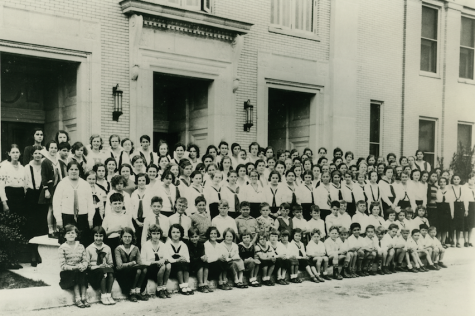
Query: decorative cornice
x=186, y=27
x=197, y=22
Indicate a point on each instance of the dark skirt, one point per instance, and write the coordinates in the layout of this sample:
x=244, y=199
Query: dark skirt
x=303, y=264
x=324, y=213
x=470, y=219
x=97, y=219
x=444, y=217
x=351, y=208
x=70, y=278
x=459, y=216
x=16, y=200
x=179, y=266
x=404, y=204
x=43, y=200
x=255, y=210
x=125, y=277
x=138, y=233
x=82, y=225
x=94, y=277
x=216, y=268
x=433, y=215
x=306, y=211
x=35, y=213
x=282, y=264
x=152, y=271
x=214, y=210
x=197, y=264
x=266, y=263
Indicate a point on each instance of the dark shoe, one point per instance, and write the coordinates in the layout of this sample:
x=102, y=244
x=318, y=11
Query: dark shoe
x=272, y=283
x=86, y=303
x=141, y=297
x=416, y=270
x=314, y=279
x=294, y=280
x=365, y=272
x=133, y=298
x=240, y=285
x=160, y=294
x=465, y=244
x=320, y=278
x=266, y=283
x=207, y=287
x=372, y=272
x=80, y=304
x=326, y=277
x=34, y=263
x=338, y=277
x=470, y=244
x=440, y=264
x=452, y=245
x=286, y=282
x=458, y=245
x=281, y=282
x=431, y=267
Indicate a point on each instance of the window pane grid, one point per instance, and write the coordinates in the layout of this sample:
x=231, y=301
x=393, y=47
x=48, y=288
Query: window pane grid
x=292, y=14
x=429, y=39
x=467, y=44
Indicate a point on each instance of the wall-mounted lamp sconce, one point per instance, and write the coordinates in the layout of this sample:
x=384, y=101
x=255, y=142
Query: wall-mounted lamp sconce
x=117, y=93
x=249, y=108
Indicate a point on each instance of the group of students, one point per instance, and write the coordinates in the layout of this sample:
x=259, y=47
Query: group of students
x=225, y=246
x=82, y=185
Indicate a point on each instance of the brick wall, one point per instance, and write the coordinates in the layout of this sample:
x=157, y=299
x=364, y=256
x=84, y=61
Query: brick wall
x=114, y=50
x=260, y=39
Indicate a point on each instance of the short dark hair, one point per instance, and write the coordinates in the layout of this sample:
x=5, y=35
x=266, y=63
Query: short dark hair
x=335, y=204
x=210, y=229
x=118, y=179
x=147, y=179
x=116, y=197
x=177, y=226
x=156, y=199
x=73, y=163
x=98, y=230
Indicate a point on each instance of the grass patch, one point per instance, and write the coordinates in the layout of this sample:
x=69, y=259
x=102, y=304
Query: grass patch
x=10, y=280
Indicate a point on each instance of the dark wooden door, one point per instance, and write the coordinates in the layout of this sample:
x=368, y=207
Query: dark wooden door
x=17, y=133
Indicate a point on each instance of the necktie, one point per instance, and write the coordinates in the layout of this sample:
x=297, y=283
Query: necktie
x=311, y=192
x=157, y=220
x=294, y=197
x=56, y=176
x=76, y=205
x=274, y=204
x=236, y=198
x=140, y=210
x=219, y=193
x=157, y=257
x=393, y=193
x=179, y=220
x=100, y=256
x=443, y=197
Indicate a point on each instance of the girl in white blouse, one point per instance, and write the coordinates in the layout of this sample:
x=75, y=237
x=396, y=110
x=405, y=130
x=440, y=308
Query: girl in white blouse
x=273, y=193
x=418, y=188
x=305, y=194
x=167, y=191
x=230, y=192
x=195, y=190
x=179, y=257
x=404, y=195
x=155, y=255
x=253, y=193
x=212, y=193
x=324, y=194
x=242, y=179
x=351, y=193
x=372, y=189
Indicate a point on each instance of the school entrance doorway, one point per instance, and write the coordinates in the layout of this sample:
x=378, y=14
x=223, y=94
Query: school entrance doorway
x=180, y=110
x=36, y=92
x=289, y=119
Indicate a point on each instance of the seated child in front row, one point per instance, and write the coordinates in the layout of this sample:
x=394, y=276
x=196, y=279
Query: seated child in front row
x=356, y=245
x=247, y=253
x=349, y=259
x=235, y=263
x=415, y=251
x=198, y=266
x=301, y=255
x=282, y=263
x=422, y=251
x=384, y=251
x=216, y=259
x=439, y=251
x=266, y=257
x=101, y=273
x=179, y=257
x=372, y=250
x=73, y=263
x=332, y=247
x=130, y=272
x=155, y=257
x=316, y=252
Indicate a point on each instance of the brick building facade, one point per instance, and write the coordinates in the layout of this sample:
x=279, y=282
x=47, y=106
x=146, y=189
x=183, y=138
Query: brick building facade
x=368, y=76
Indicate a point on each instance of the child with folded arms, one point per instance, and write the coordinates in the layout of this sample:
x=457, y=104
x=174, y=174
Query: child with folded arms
x=390, y=243
x=301, y=255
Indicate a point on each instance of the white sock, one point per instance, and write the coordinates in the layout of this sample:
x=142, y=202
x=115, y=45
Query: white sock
x=137, y=290
x=325, y=273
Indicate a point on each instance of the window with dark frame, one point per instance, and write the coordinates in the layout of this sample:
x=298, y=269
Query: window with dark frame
x=427, y=139
x=467, y=48
x=464, y=136
x=429, y=39
x=375, y=129
x=292, y=14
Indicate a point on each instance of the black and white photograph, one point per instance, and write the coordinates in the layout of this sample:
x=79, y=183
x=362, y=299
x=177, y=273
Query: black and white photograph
x=260, y=157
